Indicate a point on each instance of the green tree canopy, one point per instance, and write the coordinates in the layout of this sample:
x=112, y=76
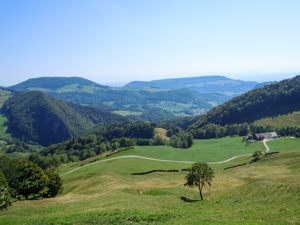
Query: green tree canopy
x=199, y=175
x=3, y=182
x=32, y=179
x=54, y=185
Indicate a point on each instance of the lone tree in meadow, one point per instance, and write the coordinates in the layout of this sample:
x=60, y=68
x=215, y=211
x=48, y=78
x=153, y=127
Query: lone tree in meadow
x=257, y=154
x=199, y=175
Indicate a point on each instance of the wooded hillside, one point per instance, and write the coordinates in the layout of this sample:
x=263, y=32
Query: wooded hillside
x=276, y=95
x=45, y=119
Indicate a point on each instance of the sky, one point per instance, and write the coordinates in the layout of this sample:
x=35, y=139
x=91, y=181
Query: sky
x=121, y=41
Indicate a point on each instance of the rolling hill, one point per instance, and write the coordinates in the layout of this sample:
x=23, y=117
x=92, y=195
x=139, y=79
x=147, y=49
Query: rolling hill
x=54, y=84
x=267, y=102
x=45, y=119
x=134, y=103
x=103, y=191
x=203, y=84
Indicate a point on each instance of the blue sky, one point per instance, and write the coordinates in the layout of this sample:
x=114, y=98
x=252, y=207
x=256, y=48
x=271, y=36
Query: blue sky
x=120, y=41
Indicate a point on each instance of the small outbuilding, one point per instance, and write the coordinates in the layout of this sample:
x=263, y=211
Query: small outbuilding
x=262, y=136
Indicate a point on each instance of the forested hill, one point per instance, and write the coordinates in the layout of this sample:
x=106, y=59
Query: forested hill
x=52, y=83
x=45, y=119
x=240, y=109
x=203, y=84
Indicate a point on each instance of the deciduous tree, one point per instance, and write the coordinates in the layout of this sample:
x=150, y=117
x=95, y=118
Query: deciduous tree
x=199, y=175
x=32, y=179
x=54, y=185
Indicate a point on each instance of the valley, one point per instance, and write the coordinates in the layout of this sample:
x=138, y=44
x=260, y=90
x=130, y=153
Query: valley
x=107, y=193
x=147, y=129
x=172, y=101
x=149, y=112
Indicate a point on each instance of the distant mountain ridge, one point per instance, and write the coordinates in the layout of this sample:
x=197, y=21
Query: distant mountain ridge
x=259, y=85
x=202, y=84
x=52, y=83
x=45, y=119
x=133, y=103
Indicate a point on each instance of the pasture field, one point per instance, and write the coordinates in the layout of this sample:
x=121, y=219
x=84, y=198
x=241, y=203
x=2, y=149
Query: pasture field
x=128, y=113
x=3, y=128
x=265, y=192
x=284, y=144
x=4, y=95
x=68, y=88
x=2, y=151
x=17, y=155
x=212, y=150
x=161, y=132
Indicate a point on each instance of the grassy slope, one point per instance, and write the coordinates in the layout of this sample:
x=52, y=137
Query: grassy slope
x=161, y=132
x=17, y=155
x=266, y=192
x=2, y=151
x=203, y=150
x=3, y=128
x=4, y=96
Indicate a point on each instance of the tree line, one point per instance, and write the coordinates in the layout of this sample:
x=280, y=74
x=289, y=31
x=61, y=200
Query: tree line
x=109, y=137
x=216, y=131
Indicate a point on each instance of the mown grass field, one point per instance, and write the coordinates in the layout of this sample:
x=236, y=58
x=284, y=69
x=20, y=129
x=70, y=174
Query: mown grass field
x=265, y=192
x=212, y=150
x=128, y=113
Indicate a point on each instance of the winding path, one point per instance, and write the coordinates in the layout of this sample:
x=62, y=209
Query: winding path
x=162, y=160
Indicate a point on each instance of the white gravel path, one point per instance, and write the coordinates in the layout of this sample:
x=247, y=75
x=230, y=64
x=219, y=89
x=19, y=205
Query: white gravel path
x=162, y=160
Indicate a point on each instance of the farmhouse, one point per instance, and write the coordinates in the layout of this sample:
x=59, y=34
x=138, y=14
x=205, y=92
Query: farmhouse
x=261, y=136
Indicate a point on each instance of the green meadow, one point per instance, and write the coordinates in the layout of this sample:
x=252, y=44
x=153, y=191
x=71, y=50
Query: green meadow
x=265, y=192
x=212, y=150
x=3, y=128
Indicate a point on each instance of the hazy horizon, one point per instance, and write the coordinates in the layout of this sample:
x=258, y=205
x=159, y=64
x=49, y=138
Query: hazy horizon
x=118, y=42
x=257, y=77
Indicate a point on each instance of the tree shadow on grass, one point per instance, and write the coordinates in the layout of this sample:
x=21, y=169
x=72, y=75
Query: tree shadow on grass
x=188, y=200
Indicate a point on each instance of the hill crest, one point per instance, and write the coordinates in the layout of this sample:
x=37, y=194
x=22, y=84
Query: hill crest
x=202, y=84
x=52, y=83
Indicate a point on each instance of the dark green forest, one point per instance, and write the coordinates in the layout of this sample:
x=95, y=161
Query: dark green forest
x=45, y=119
x=271, y=96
